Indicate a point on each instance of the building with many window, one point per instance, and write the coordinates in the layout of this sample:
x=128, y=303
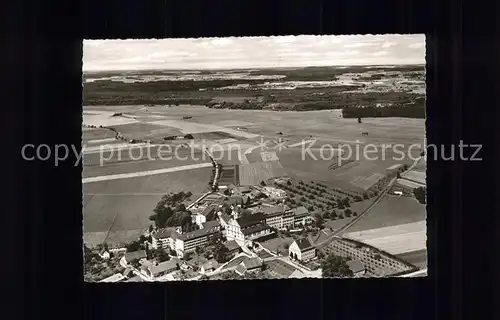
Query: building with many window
x=247, y=228
x=189, y=241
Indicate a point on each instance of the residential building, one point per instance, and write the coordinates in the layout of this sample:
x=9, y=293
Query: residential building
x=247, y=228
x=164, y=238
x=302, y=250
x=188, y=242
x=130, y=257
x=357, y=267
x=249, y=265
x=209, y=266
x=157, y=270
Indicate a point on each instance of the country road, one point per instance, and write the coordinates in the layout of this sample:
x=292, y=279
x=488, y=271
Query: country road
x=341, y=230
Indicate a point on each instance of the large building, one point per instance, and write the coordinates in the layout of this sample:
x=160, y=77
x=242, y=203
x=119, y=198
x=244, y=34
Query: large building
x=188, y=242
x=278, y=217
x=172, y=238
x=245, y=229
x=164, y=238
x=273, y=192
x=302, y=250
x=301, y=216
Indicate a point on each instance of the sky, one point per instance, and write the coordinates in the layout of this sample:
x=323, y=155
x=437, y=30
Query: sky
x=252, y=52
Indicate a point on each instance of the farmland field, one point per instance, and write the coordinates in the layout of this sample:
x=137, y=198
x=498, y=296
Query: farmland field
x=254, y=173
x=132, y=200
x=391, y=210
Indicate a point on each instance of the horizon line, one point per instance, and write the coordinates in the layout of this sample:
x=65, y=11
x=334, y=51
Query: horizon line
x=254, y=68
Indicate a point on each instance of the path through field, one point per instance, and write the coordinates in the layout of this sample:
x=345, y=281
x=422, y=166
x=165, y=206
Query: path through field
x=145, y=173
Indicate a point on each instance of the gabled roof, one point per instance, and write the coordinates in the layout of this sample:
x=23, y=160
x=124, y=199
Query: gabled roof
x=165, y=233
x=208, y=210
x=209, y=227
x=300, y=211
x=304, y=244
x=136, y=255
x=164, y=266
x=252, y=263
x=255, y=228
x=240, y=269
x=250, y=220
x=232, y=245
x=355, y=266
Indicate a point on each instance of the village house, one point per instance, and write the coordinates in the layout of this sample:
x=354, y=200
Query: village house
x=209, y=266
x=188, y=242
x=245, y=229
x=357, y=267
x=156, y=270
x=130, y=257
x=302, y=250
x=249, y=265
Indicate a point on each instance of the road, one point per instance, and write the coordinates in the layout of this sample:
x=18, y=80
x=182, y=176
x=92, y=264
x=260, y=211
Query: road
x=145, y=173
x=337, y=233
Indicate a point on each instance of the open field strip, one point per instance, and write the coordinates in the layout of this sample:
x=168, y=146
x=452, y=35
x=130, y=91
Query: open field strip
x=145, y=173
x=97, y=141
x=192, y=127
x=398, y=239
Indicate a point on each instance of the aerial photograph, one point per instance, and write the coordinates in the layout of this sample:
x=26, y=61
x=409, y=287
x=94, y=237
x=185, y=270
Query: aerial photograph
x=247, y=158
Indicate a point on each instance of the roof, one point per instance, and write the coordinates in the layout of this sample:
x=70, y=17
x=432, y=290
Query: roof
x=225, y=217
x=136, y=255
x=212, y=264
x=232, y=245
x=355, y=266
x=209, y=227
x=252, y=263
x=240, y=269
x=250, y=220
x=300, y=211
x=255, y=228
x=114, y=278
x=164, y=266
x=208, y=210
x=234, y=200
x=164, y=233
x=135, y=279
x=269, y=210
x=304, y=244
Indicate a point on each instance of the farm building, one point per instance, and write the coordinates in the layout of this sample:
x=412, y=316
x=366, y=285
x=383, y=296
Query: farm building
x=249, y=265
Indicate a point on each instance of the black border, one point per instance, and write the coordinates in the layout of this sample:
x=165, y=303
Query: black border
x=45, y=64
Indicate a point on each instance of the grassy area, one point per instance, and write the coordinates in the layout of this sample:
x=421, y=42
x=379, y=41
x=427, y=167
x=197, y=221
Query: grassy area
x=390, y=211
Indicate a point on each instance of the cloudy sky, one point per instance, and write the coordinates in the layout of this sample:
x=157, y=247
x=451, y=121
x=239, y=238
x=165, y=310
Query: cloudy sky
x=253, y=52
